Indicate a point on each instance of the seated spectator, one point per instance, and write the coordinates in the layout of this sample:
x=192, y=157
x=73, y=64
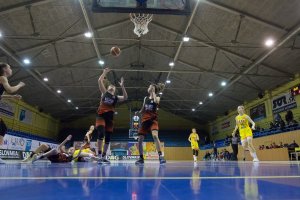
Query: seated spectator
x=275, y=145
x=281, y=124
x=272, y=126
x=262, y=147
x=293, y=145
x=278, y=121
x=281, y=145
x=289, y=117
x=293, y=123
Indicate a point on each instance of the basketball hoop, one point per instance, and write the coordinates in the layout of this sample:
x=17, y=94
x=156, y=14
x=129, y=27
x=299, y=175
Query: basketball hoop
x=141, y=22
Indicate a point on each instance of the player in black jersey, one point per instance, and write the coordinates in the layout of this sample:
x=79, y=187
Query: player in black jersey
x=150, y=121
x=105, y=113
x=6, y=91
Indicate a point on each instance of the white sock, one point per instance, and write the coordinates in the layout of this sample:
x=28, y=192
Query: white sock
x=253, y=155
x=195, y=158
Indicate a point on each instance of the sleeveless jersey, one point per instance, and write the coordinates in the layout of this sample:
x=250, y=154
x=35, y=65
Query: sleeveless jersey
x=194, y=137
x=108, y=103
x=150, y=110
x=242, y=122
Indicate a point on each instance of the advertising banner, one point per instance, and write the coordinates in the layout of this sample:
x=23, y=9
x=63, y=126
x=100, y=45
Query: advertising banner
x=25, y=116
x=283, y=103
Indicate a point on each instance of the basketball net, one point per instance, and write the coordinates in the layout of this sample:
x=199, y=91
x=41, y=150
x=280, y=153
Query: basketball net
x=141, y=22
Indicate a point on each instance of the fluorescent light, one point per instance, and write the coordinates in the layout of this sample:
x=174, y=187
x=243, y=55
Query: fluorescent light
x=69, y=100
x=269, y=42
x=171, y=64
x=160, y=93
x=76, y=108
x=46, y=79
x=101, y=62
x=168, y=81
x=210, y=94
x=88, y=34
x=186, y=39
x=223, y=83
x=1, y=35
x=26, y=61
x=193, y=109
x=58, y=91
x=200, y=103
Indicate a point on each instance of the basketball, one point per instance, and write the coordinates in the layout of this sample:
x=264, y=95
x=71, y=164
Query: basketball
x=115, y=51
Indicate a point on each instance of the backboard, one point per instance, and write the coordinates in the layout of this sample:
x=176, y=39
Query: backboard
x=167, y=7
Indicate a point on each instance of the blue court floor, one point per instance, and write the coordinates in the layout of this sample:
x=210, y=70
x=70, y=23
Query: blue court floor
x=175, y=180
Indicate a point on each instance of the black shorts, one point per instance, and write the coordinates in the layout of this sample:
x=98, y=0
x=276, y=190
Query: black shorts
x=106, y=120
x=3, y=128
x=54, y=158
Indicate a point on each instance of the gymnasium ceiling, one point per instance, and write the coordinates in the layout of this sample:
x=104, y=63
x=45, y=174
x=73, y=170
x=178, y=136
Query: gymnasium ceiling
x=227, y=44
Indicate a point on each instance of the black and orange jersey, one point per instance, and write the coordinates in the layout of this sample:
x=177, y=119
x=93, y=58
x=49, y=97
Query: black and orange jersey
x=149, y=110
x=108, y=103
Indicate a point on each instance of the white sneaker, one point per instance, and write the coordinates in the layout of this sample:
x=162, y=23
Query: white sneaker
x=28, y=159
x=2, y=161
x=255, y=160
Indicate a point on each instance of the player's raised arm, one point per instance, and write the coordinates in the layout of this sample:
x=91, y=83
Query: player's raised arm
x=101, y=80
x=8, y=88
x=125, y=96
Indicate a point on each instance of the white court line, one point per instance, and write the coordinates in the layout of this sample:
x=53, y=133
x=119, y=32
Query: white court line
x=147, y=178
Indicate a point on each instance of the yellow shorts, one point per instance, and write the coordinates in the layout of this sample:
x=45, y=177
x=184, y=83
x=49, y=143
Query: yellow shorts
x=246, y=132
x=195, y=145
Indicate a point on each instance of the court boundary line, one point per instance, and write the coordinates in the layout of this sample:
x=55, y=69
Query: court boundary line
x=148, y=178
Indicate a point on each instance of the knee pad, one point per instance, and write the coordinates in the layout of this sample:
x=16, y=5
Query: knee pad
x=101, y=132
x=107, y=137
x=194, y=152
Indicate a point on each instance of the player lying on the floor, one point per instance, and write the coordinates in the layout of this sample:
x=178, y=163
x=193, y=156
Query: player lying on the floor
x=60, y=154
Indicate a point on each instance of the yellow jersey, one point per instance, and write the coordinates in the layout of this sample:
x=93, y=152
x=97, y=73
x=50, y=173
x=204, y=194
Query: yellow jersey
x=194, y=137
x=76, y=152
x=194, y=141
x=242, y=122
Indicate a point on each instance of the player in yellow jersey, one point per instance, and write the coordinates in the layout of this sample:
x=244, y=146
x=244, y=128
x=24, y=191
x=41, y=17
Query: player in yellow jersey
x=193, y=139
x=242, y=123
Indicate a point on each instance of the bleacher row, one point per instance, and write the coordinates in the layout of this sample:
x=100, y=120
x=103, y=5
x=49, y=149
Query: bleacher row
x=29, y=136
x=223, y=143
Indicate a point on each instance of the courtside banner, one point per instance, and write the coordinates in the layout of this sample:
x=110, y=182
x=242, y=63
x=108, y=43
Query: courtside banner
x=13, y=154
x=22, y=144
x=123, y=157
